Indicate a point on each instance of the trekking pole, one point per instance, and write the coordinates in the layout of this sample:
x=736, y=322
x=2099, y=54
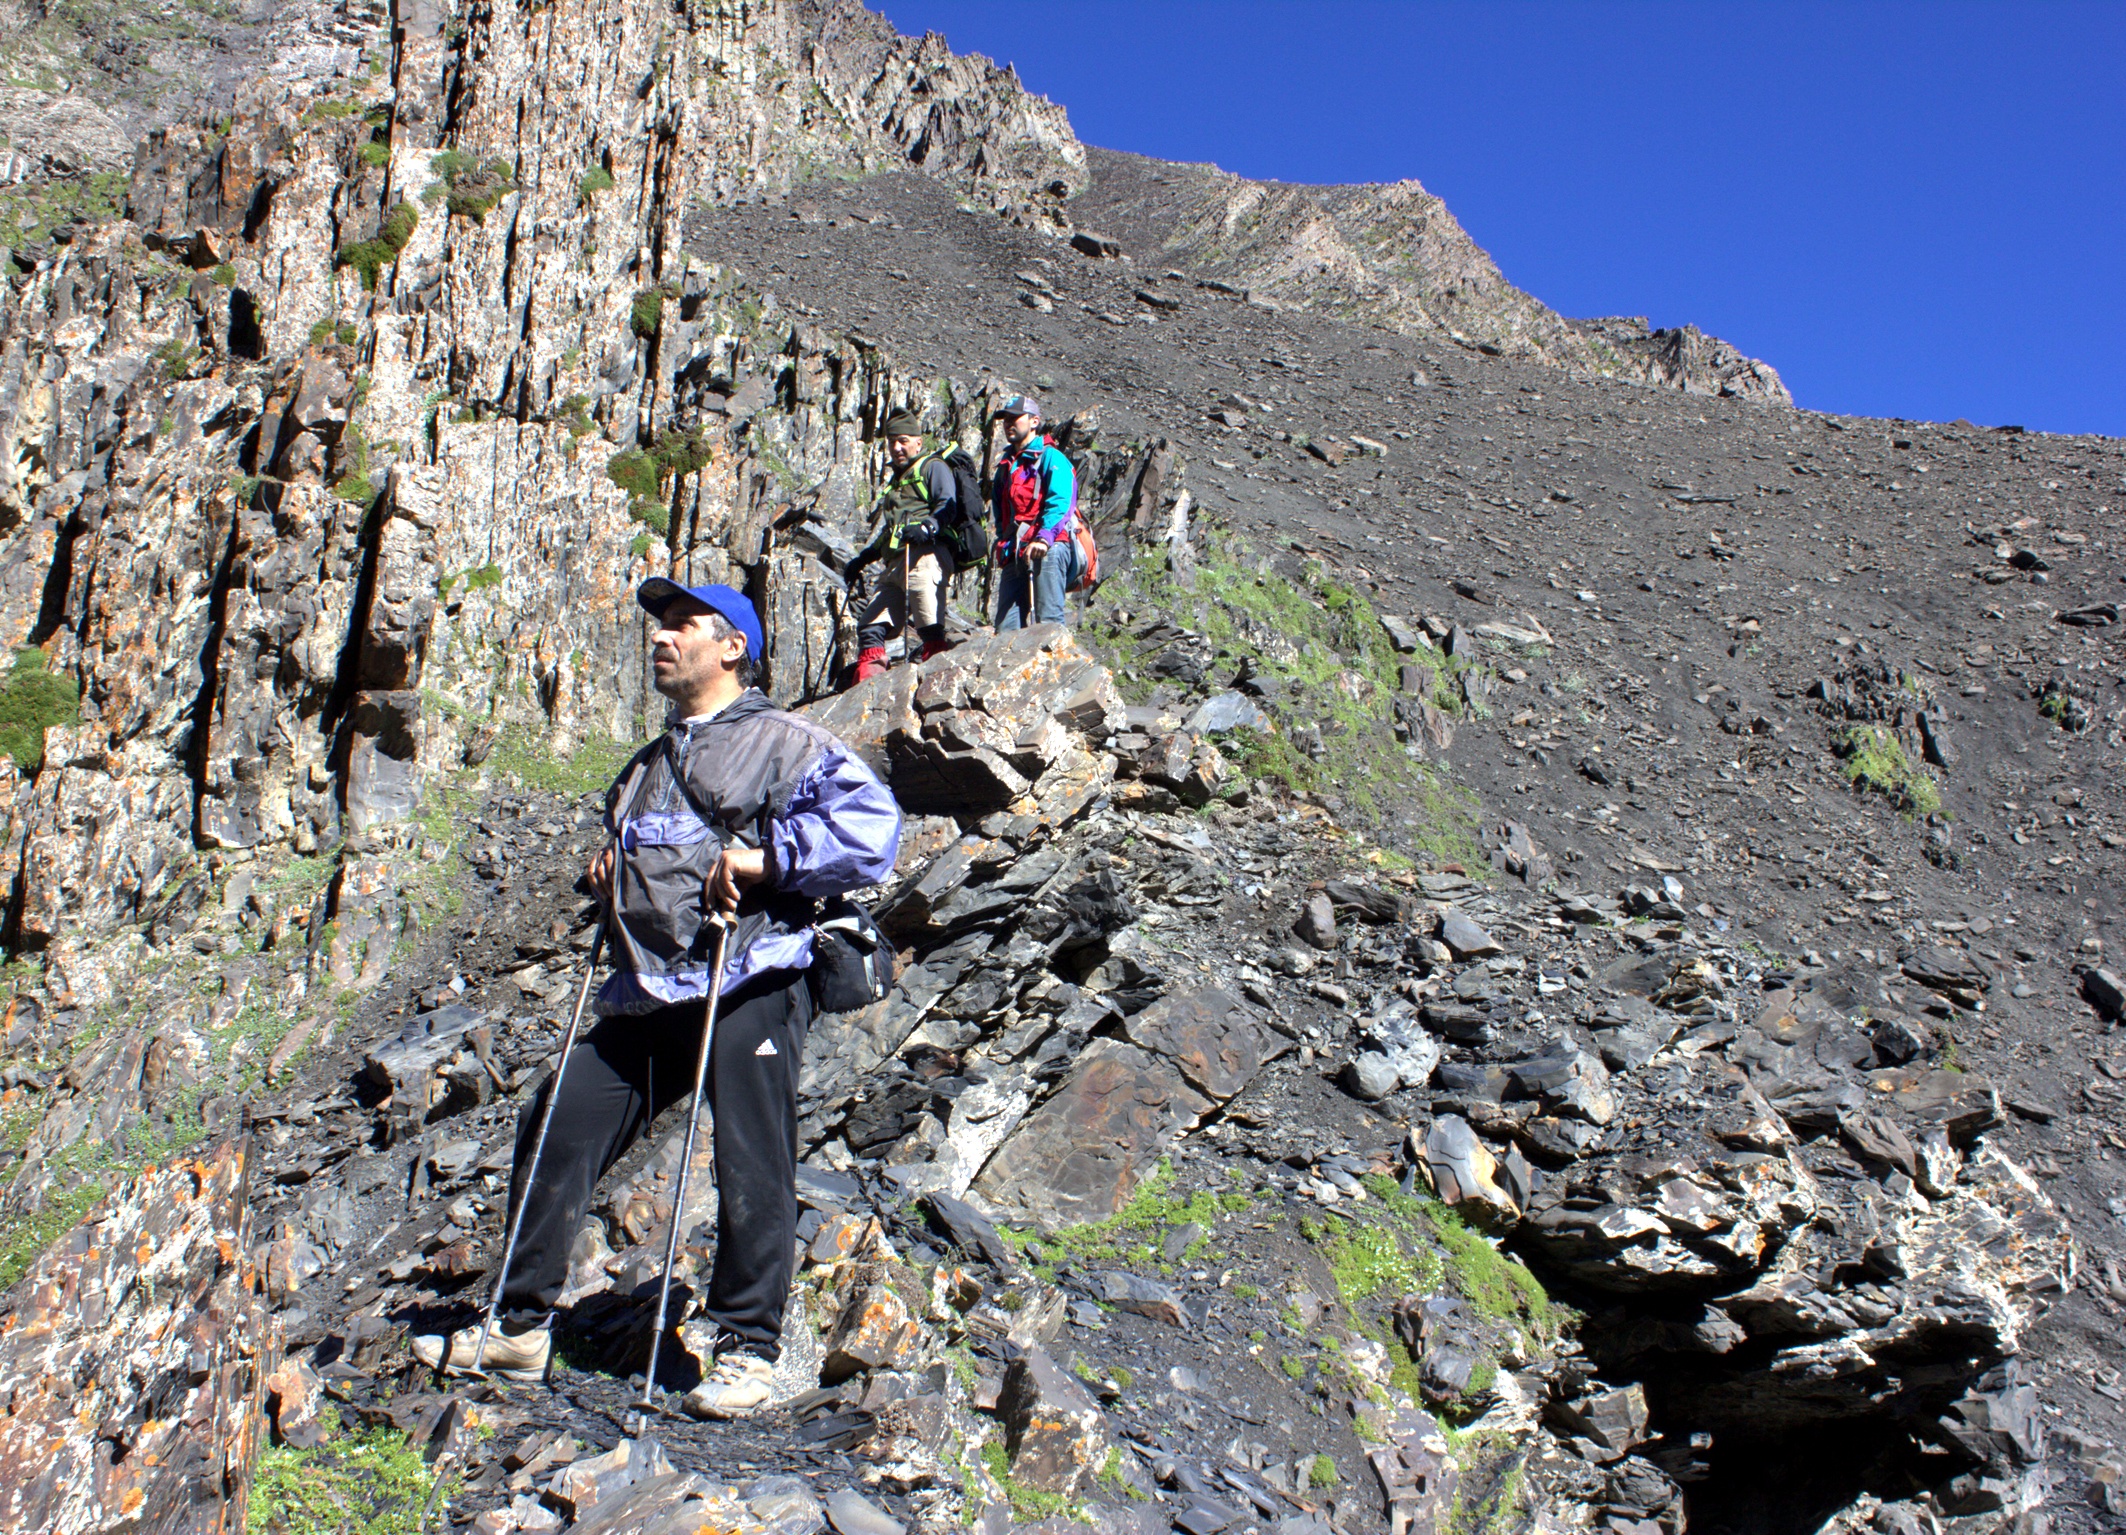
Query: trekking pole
x=907, y=601
x=648, y=1403
x=531, y=1169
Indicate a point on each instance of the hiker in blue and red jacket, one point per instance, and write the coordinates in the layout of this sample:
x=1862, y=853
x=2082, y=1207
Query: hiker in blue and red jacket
x=1036, y=497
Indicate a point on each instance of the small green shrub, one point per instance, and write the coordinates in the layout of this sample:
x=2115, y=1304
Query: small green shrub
x=177, y=356
x=374, y=1481
x=647, y=312
x=369, y=257
x=466, y=187
x=1324, y=1472
x=346, y=333
x=644, y=475
x=635, y=472
x=483, y=578
x=224, y=275
x=374, y=154
x=595, y=180
x=33, y=698
x=448, y=164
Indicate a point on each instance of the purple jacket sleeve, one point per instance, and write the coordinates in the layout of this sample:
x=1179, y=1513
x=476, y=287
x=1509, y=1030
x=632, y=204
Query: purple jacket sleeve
x=842, y=830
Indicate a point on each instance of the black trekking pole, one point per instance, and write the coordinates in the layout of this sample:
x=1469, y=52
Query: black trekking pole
x=648, y=1404
x=531, y=1168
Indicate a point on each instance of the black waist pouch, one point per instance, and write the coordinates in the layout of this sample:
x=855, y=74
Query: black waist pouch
x=852, y=963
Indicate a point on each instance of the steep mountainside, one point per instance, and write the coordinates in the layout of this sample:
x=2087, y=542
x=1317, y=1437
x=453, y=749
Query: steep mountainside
x=1544, y=957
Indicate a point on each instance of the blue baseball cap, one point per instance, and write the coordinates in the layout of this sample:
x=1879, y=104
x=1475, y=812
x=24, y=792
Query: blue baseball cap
x=656, y=595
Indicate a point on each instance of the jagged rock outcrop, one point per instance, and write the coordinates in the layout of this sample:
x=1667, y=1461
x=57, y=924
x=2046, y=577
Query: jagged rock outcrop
x=1679, y=357
x=1390, y=255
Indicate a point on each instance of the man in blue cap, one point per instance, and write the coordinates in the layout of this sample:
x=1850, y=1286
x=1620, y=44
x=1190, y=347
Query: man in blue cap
x=761, y=814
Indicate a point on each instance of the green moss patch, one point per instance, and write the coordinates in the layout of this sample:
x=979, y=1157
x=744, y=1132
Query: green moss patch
x=1030, y=1504
x=372, y=1481
x=1318, y=645
x=1500, y=1288
x=524, y=755
x=597, y=179
x=33, y=698
x=29, y=1235
x=29, y=214
x=1133, y=1233
x=1875, y=760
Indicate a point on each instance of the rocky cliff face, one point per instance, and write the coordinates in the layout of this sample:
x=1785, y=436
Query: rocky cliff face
x=345, y=450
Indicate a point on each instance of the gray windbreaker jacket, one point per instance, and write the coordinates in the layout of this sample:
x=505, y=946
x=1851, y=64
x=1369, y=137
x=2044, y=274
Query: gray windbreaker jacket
x=751, y=776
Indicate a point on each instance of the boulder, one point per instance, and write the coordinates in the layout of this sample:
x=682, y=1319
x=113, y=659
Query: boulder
x=1144, y=1297
x=878, y=1322
x=597, y=1480
x=1079, y=1156
x=1054, y=1432
x=980, y=727
x=2106, y=993
x=1463, y=1172
x=1317, y=922
x=1466, y=939
x=1370, y=1075
x=1218, y=1041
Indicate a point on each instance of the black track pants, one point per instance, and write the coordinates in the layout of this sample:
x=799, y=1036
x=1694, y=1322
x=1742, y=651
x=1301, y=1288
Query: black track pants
x=605, y=1104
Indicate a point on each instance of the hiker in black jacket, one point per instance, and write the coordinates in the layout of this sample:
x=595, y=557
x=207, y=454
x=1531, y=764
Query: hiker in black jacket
x=737, y=807
x=910, y=550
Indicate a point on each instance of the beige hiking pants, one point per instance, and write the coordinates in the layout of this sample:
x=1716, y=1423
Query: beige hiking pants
x=919, y=606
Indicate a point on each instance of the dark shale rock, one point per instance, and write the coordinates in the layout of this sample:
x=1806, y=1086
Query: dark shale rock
x=1080, y=1155
x=1054, y=1431
x=1216, y=1039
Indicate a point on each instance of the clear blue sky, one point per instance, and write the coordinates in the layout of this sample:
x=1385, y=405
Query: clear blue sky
x=1909, y=209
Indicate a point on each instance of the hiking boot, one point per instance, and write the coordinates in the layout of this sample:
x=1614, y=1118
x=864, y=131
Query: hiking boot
x=870, y=661
x=738, y=1385
x=934, y=642
x=522, y=1357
